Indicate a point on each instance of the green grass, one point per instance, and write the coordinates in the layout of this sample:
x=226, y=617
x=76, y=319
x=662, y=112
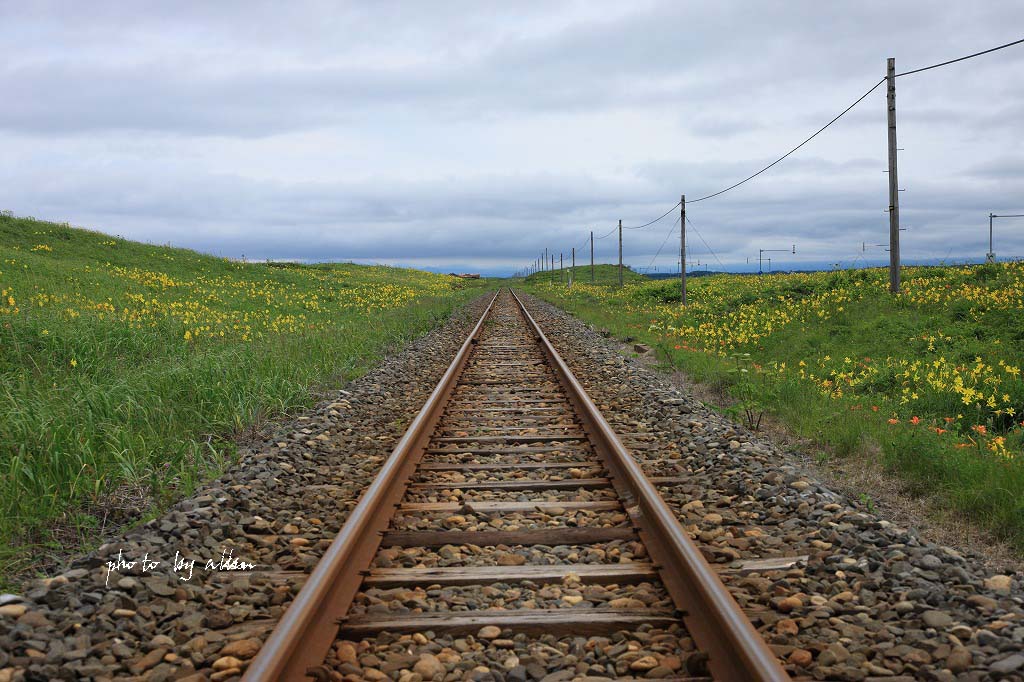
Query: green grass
x=942, y=360
x=127, y=368
x=604, y=275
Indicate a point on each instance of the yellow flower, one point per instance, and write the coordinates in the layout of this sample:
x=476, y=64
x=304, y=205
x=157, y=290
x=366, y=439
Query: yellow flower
x=74, y=363
x=188, y=335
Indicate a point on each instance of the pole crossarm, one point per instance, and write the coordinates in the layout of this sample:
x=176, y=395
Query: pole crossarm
x=990, y=257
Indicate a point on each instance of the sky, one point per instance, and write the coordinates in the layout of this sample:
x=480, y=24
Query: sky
x=473, y=135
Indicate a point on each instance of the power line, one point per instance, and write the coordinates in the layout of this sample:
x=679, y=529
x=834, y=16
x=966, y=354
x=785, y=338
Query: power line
x=670, y=233
x=841, y=114
x=640, y=227
x=960, y=59
x=712, y=251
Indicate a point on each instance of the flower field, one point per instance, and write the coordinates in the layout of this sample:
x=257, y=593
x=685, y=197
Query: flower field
x=929, y=380
x=128, y=369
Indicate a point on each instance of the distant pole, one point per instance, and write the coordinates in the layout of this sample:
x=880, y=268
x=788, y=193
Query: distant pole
x=591, y=256
x=552, y=268
x=682, y=247
x=572, y=273
x=561, y=267
x=991, y=256
x=620, y=253
x=894, y=189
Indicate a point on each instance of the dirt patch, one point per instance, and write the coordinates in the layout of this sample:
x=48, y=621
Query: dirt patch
x=860, y=477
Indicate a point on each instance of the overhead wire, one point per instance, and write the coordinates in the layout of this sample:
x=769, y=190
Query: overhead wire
x=640, y=227
x=670, y=233
x=791, y=151
x=706, y=245
x=960, y=59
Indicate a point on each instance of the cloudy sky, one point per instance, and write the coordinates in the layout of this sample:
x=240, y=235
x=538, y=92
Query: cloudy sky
x=472, y=135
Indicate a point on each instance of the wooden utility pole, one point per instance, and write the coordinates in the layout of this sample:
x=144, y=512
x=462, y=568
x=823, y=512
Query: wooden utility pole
x=552, y=268
x=682, y=247
x=561, y=267
x=894, y=187
x=620, y=253
x=572, y=273
x=591, y=256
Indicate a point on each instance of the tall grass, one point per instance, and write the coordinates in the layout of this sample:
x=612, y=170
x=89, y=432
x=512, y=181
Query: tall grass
x=125, y=366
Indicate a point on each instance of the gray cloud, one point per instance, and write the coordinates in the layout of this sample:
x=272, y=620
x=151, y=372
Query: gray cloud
x=466, y=133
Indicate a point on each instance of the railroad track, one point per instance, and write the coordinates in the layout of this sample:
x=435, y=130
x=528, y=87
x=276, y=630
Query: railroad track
x=510, y=512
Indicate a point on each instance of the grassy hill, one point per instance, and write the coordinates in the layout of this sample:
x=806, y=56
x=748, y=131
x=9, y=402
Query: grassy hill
x=131, y=367
x=927, y=382
x=604, y=275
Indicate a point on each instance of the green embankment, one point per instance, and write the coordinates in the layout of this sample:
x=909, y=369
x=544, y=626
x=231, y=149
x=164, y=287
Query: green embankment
x=603, y=274
x=927, y=383
x=130, y=369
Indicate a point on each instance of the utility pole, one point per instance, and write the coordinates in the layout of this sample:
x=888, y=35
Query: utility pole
x=620, y=252
x=561, y=267
x=682, y=248
x=761, y=258
x=572, y=273
x=990, y=257
x=552, y=267
x=894, y=189
x=591, y=256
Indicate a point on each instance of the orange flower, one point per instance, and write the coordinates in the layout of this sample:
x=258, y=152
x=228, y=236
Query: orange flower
x=914, y=420
x=894, y=421
x=949, y=420
x=939, y=431
x=874, y=408
x=980, y=428
x=677, y=346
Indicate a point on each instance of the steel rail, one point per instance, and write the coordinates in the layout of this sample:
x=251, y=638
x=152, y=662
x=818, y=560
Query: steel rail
x=736, y=651
x=308, y=628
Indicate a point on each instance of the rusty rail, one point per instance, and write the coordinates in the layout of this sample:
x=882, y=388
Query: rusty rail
x=309, y=626
x=736, y=650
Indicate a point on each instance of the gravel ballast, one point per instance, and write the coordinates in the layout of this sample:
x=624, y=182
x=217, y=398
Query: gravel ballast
x=863, y=599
